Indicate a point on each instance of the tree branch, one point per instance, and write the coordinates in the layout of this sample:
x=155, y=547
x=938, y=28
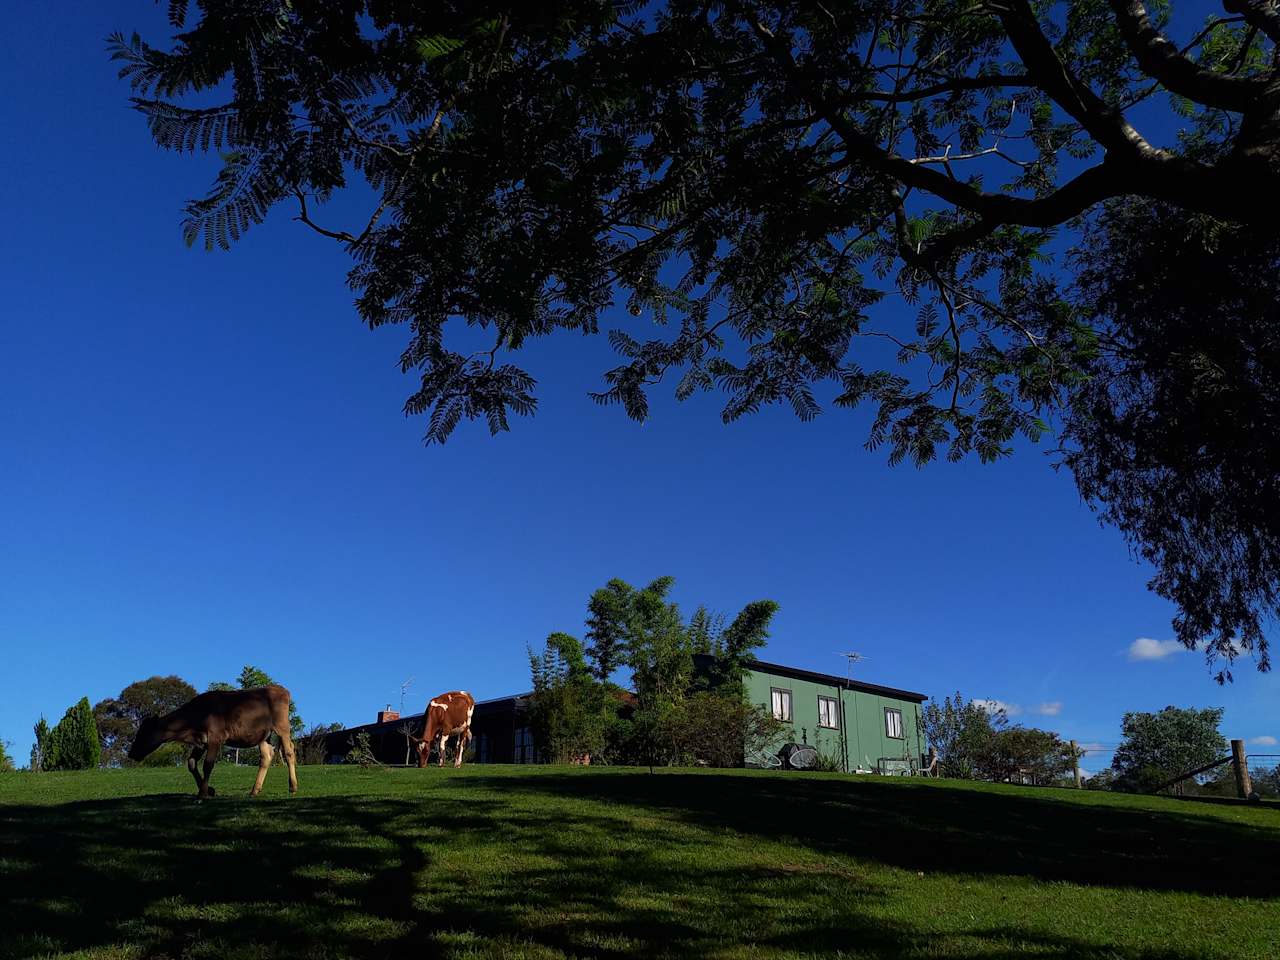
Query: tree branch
x=1259, y=14
x=1159, y=58
x=302, y=217
x=1100, y=120
x=954, y=85
x=1093, y=185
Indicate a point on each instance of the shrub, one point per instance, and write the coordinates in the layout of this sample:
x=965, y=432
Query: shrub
x=827, y=763
x=361, y=752
x=1266, y=782
x=1102, y=780
x=1018, y=752
x=717, y=729
x=310, y=747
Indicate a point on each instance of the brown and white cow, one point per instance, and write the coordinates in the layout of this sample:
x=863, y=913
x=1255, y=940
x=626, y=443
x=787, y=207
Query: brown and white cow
x=447, y=715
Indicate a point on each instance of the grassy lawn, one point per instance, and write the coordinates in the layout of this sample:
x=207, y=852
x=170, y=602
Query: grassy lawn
x=547, y=862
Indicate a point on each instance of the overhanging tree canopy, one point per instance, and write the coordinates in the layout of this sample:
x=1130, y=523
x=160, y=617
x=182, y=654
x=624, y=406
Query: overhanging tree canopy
x=755, y=177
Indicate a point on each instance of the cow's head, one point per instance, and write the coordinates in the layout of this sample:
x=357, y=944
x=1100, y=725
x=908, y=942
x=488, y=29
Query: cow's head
x=424, y=752
x=147, y=739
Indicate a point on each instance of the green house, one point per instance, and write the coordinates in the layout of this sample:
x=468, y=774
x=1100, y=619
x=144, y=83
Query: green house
x=864, y=726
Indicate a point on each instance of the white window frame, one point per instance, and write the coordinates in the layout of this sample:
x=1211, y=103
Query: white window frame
x=891, y=714
x=833, y=712
x=779, y=696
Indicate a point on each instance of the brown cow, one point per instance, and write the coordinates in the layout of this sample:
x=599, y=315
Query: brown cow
x=233, y=718
x=447, y=714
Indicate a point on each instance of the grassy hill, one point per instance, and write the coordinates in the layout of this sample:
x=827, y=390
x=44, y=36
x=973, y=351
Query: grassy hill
x=547, y=862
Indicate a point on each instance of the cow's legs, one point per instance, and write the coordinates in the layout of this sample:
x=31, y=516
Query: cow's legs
x=462, y=746
x=211, y=751
x=264, y=760
x=290, y=758
x=193, y=764
x=444, y=742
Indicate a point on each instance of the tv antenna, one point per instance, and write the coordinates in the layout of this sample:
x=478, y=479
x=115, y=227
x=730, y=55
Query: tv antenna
x=404, y=688
x=852, y=657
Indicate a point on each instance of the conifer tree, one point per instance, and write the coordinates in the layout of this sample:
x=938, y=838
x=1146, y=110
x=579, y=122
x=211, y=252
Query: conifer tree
x=73, y=743
x=40, y=749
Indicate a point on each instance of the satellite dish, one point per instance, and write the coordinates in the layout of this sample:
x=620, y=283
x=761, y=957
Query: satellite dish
x=800, y=756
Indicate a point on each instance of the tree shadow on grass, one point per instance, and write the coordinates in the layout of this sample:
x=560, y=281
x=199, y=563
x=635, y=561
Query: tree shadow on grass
x=918, y=826
x=503, y=866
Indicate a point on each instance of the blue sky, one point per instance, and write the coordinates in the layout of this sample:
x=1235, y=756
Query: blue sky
x=205, y=465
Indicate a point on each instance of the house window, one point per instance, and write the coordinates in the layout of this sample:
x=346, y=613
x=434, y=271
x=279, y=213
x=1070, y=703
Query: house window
x=828, y=712
x=781, y=703
x=893, y=723
x=524, y=752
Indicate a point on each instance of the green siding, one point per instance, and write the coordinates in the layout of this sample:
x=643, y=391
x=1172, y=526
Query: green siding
x=866, y=740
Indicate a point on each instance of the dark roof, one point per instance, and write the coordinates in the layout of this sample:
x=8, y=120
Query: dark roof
x=797, y=674
x=416, y=718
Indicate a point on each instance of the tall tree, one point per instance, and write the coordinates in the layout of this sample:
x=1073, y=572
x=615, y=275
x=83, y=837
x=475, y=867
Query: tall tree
x=6, y=761
x=73, y=742
x=748, y=632
x=608, y=623
x=40, y=748
x=658, y=649
x=117, y=718
x=680, y=714
x=1158, y=746
x=1178, y=430
x=705, y=630
x=755, y=178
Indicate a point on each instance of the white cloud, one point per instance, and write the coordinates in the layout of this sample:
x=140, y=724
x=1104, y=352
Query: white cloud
x=995, y=706
x=1050, y=708
x=1265, y=741
x=1144, y=648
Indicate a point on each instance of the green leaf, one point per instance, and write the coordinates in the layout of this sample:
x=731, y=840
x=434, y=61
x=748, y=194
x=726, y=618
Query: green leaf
x=437, y=46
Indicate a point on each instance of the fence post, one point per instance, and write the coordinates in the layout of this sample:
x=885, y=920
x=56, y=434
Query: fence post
x=1241, y=763
x=1075, y=759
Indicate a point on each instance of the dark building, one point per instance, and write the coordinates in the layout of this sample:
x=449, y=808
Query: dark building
x=499, y=734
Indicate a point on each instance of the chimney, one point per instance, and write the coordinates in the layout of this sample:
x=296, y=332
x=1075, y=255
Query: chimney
x=387, y=715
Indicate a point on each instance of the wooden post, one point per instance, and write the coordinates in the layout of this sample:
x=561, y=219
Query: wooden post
x=1075, y=760
x=1241, y=762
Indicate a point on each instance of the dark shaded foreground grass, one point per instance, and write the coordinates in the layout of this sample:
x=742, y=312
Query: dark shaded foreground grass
x=520, y=862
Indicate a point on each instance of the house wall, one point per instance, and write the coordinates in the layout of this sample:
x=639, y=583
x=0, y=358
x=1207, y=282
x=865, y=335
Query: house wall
x=498, y=735
x=863, y=740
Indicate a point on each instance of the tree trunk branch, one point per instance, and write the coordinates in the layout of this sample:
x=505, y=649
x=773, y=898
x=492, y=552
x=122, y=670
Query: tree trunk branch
x=1105, y=123
x=1159, y=58
x=1259, y=14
